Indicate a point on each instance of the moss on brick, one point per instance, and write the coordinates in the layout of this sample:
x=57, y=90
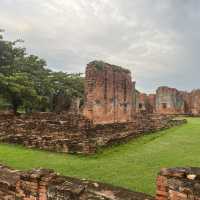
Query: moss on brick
x=100, y=65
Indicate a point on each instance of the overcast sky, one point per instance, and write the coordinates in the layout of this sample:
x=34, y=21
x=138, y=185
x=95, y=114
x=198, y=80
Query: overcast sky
x=158, y=40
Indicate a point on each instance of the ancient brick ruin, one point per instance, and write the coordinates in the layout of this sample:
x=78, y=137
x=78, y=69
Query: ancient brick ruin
x=109, y=116
x=169, y=101
x=72, y=133
x=178, y=184
x=195, y=102
x=108, y=93
x=145, y=103
x=43, y=184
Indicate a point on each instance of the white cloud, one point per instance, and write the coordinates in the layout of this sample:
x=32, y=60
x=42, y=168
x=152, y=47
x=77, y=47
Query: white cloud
x=157, y=39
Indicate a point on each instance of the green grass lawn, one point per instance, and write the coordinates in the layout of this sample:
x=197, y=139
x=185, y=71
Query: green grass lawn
x=133, y=165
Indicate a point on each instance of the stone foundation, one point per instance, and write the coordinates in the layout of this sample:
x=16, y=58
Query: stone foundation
x=45, y=184
x=178, y=184
x=70, y=133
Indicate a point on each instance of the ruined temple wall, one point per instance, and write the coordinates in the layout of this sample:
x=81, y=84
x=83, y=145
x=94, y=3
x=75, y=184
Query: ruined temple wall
x=108, y=93
x=177, y=102
x=152, y=103
x=69, y=133
x=141, y=101
x=169, y=101
x=43, y=184
x=146, y=103
x=195, y=102
x=178, y=184
x=186, y=96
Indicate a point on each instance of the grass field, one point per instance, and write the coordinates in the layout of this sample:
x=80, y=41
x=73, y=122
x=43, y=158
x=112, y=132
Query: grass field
x=133, y=165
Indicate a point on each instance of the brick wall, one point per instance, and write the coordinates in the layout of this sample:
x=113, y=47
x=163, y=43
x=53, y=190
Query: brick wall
x=169, y=101
x=172, y=101
x=43, y=184
x=70, y=133
x=108, y=93
x=145, y=102
x=195, y=102
x=178, y=184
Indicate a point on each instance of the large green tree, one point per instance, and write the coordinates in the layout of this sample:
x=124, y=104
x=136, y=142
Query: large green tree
x=27, y=82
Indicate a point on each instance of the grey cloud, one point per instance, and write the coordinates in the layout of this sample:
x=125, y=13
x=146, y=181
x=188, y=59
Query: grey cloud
x=159, y=40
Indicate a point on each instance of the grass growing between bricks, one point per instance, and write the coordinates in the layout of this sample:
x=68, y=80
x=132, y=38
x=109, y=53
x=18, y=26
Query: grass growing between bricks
x=133, y=165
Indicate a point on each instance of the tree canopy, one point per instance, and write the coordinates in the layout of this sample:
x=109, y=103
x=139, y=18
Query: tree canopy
x=27, y=83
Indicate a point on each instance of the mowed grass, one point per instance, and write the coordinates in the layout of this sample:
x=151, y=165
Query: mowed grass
x=133, y=165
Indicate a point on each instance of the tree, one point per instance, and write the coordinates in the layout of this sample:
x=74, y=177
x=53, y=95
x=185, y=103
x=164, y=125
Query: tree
x=66, y=88
x=19, y=91
x=27, y=82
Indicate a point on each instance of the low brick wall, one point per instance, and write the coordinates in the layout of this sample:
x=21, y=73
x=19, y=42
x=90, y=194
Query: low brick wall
x=70, y=133
x=178, y=184
x=45, y=184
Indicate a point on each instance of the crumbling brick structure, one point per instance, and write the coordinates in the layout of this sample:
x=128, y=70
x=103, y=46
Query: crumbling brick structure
x=169, y=101
x=172, y=101
x=178, y=184
x=44, y=184
x=145, y=103
x=195, y=102
x=108, y=93
x=72, y=133
x=109, y=116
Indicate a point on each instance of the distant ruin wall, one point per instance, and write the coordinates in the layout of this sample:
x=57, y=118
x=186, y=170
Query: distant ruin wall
x=43, y=184
x=169, y=101
x=108, y=93
x=178, y=184
x=145, y=103
x=172, y=101
x=70, y=133
x=195, y=102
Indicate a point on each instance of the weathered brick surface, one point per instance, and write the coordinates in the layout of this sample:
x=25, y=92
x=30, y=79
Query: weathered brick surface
x=178, y=184
x=109, y=116
x=195, y=102
x=145, y=103
x=45, y=184
x=172, y=101
x=48, y=131
x=71, y=133
x=169, y=101
x=108, y=93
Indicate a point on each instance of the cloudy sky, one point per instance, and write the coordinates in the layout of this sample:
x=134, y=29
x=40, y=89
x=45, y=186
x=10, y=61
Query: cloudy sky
x=158, y=40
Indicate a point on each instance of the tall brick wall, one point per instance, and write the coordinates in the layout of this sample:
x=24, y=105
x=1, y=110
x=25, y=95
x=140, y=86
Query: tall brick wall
x=195, y=102
x=172, y=101
x=169, y=101
x=108, y=93
x=145, y=102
